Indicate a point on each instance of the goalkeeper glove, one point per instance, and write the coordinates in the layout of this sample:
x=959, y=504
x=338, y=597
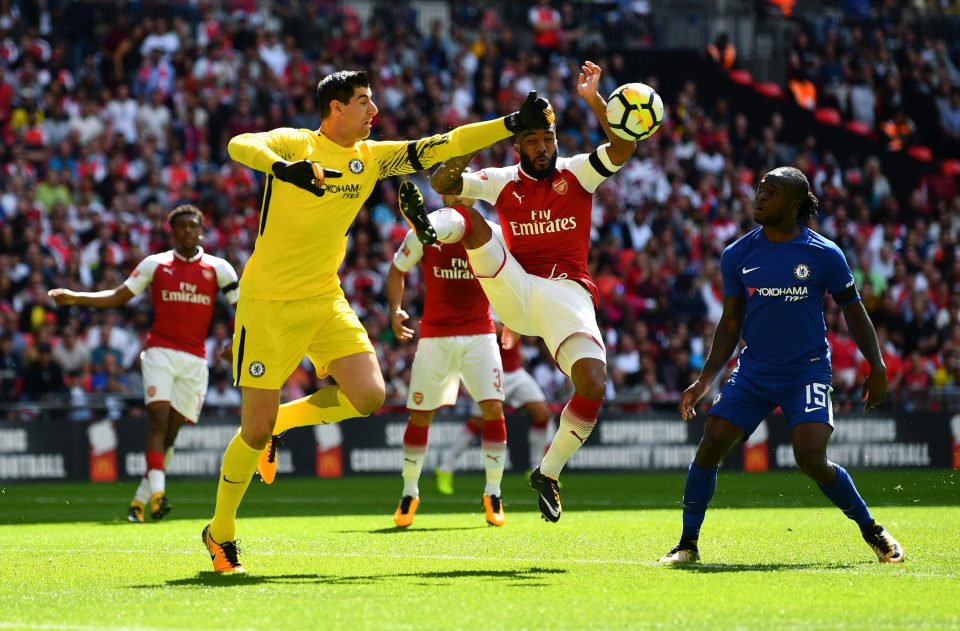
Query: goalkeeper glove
x=305, y=174
x=535, y=113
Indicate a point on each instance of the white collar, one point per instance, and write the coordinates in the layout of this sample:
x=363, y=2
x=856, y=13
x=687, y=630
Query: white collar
x=190, y=260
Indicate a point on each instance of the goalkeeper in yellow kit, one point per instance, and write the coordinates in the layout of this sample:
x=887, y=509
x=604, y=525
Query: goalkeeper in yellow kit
x=291, y=303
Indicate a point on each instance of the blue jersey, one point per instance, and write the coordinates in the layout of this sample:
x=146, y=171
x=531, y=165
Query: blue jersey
x=784, y=284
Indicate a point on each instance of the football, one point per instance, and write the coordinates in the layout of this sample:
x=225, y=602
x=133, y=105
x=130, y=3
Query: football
x=634, y=111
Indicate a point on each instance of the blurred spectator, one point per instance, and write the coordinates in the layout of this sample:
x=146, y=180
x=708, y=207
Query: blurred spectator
x=222, y=394
x=42, y=378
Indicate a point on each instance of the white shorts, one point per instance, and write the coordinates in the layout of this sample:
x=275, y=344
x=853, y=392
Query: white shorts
x=177, y=377
x=551, y=308
x=442, y=362
x=519, y=389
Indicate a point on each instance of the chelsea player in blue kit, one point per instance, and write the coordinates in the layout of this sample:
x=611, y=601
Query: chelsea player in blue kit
x=774, y=280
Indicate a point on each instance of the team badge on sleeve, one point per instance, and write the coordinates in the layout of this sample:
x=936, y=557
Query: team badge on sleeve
x=257, y=369
x=802, y=272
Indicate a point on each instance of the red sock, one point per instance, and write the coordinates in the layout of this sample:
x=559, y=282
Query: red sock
x=416, y=436
x=155, y=460
x=475, y=425
x=494, y=431
x=463, y=212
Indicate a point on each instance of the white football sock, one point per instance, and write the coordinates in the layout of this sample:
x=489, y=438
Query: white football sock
x=413, y=458
x=449, y=224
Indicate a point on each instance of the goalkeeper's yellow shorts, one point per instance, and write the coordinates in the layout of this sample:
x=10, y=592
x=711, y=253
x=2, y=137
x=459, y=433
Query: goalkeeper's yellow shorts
x=271, y=337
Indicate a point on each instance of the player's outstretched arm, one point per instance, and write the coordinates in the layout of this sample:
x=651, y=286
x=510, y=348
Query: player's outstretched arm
x=588, y=83
x=725, y=340
x=402, y=158
x=394, y=290
x=108, y=299
x=279, y=153
x=865, y=336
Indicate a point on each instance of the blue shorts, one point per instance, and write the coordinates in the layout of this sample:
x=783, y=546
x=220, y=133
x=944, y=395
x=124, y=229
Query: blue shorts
x=751, y=394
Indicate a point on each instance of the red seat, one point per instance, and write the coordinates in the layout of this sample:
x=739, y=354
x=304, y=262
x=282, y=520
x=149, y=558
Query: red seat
x=768, y=89
x=919, y=152
x=951, y=168
x=860, y=128
x=741, y=76
x=828, y=116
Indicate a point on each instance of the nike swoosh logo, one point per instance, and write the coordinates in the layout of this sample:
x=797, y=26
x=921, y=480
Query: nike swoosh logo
x=746, y=270
x=813, y=408
x=231, y=481
x=553, y=511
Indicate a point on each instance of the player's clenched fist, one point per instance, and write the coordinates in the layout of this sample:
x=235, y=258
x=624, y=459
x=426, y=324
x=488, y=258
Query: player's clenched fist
x=535, y=113
x=305, y=174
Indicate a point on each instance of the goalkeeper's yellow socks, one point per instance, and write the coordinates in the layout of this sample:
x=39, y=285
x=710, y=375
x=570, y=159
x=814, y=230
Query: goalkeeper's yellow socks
x=239, y=463
x=325, y=406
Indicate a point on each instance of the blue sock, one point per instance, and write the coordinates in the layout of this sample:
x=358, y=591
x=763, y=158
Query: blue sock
x=844, y=494
x=701, y=485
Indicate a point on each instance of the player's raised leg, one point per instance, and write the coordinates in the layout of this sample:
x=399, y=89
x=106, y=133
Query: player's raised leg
x=584, y=360
x=359, y=391
x=719, y=437
x=810, y=450
x=469, y=432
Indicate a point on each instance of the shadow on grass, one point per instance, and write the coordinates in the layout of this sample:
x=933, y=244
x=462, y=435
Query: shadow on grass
x=396, y=529
x=529, y=577
x=717, y=568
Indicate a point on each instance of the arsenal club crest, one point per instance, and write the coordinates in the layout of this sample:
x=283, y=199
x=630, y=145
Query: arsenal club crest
x=561, y=186
x=418, y=397
x=207, y=274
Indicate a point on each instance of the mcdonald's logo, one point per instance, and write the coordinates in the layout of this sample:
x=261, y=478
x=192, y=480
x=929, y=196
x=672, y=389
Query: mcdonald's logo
x=103, y=467
x=330, y=463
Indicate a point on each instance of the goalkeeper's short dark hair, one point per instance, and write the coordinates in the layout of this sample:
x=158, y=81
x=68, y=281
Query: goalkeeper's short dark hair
x=339, y=86
x=185, y=209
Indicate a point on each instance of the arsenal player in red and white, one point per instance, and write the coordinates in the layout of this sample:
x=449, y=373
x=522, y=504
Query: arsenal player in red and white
x=533, y=267
x=184, y=282
x=458, y=342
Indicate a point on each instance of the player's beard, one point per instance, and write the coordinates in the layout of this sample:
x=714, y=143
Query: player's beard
x=529, y=167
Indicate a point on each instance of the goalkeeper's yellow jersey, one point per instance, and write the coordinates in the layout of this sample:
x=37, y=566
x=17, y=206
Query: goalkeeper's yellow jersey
x=302, y=238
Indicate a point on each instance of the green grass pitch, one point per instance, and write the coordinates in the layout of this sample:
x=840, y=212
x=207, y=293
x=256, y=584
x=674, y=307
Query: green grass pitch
x=323, y=554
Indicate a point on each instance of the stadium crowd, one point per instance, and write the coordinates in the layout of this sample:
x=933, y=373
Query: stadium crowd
x=111, y=118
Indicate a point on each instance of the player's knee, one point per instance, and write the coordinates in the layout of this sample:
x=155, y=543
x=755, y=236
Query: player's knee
x=491, y=409
x=592, y=385
x=813, y=463
x=256, y=435
x=368, y=401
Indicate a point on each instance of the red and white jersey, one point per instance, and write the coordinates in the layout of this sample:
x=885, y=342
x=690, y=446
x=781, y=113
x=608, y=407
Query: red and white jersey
x=546, y=223
x=184, y=292
x=453, y=302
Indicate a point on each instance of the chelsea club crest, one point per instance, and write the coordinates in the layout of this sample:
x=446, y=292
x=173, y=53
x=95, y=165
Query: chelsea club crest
x=802, y=272
x=356, y=166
